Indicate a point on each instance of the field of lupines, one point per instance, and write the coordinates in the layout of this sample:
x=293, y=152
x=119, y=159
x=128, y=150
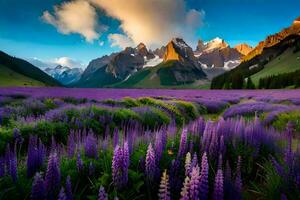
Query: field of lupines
x=149, y=144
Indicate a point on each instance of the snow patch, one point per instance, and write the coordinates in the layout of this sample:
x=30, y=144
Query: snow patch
x=231, y=64
x=152, y=62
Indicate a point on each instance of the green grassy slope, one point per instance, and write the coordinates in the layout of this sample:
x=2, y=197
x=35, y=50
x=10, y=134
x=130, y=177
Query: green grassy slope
x=286, y=62
x=158, y=77
x=10, y=78
x=26, y=69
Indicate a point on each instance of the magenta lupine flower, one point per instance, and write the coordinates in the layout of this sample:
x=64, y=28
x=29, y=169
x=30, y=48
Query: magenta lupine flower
x=102, y=194
x=183, y=143
x=79, y=162
x=69, y=195
x=203, y=185
x=164, y=189
x=38, y=190
x=194, y=183
x=52, y=179
x=150, y=164
x=218, y=187
x=238, y=178
x=90, y=146
x=62, y=194
x=120, y=165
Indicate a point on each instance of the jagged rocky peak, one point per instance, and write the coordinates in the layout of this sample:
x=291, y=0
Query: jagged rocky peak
x=177, y=49
x=201, y=46
x=216, y=43
x=244, y=48
x=297, y=21
x=142, y=50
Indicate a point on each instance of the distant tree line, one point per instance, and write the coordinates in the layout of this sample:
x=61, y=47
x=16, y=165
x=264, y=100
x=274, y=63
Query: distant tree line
x=237, y=78
x=280, y=81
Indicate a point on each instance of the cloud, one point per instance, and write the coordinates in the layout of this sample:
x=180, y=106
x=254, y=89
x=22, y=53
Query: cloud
x=68, y=62
x=153, y=22
x=64, y=61
x=75, y=17
x=120, y=40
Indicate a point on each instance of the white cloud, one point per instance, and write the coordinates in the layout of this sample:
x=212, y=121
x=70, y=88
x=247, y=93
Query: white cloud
x=74, y=17
x=120, y=40
x=153, y=22
x=68, y=62
x=64, y=61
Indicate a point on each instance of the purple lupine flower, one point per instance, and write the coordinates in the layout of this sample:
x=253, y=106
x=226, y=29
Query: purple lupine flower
x=203, y=185
x=71, y=146
x=126, y=161
x=62, y=194
x=90, y=146
x=150, y=164
x=185, y=189
x=194, y=183
x=115, y=137
x=175, y=182
x=52, y=179
x=183, y=143
x=2, y=167
x=120, y=163
x=69, y=195
x=164, y=190
x=194, y=161
x=187, y=164
x=79, y=162
x=288, y=157
x=17, y=136
x=36, y=155
x=102, y=194
x=220, y=161
x=283, y=197
x=158, y=146
x=11, y=163
x=218, y=187
x=38, y=191
x=238, y=178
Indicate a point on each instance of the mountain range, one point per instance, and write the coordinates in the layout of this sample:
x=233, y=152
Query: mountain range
x=269, y=64
x=174, y=65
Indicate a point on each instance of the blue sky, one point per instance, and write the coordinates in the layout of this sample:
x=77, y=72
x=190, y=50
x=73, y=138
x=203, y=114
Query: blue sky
x=25, y=33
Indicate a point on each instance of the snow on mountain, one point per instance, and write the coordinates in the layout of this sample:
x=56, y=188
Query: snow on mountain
x=64, y=74
x=152, y=62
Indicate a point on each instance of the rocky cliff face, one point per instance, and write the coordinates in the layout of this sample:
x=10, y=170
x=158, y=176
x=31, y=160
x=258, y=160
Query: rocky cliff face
x=217, y=54
x=272, y=40
x=243, y=49
x=178, y=50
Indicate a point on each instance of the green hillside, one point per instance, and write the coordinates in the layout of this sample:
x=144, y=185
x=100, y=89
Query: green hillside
x=26, y=69
x=10, y=78
x=289, y=61
x=160, y=76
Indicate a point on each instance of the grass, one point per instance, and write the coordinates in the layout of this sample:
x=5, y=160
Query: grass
x=10, y=78
x=286, y=62
x=158, y=77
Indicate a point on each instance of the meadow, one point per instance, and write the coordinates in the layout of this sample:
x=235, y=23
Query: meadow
x=60, y=143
